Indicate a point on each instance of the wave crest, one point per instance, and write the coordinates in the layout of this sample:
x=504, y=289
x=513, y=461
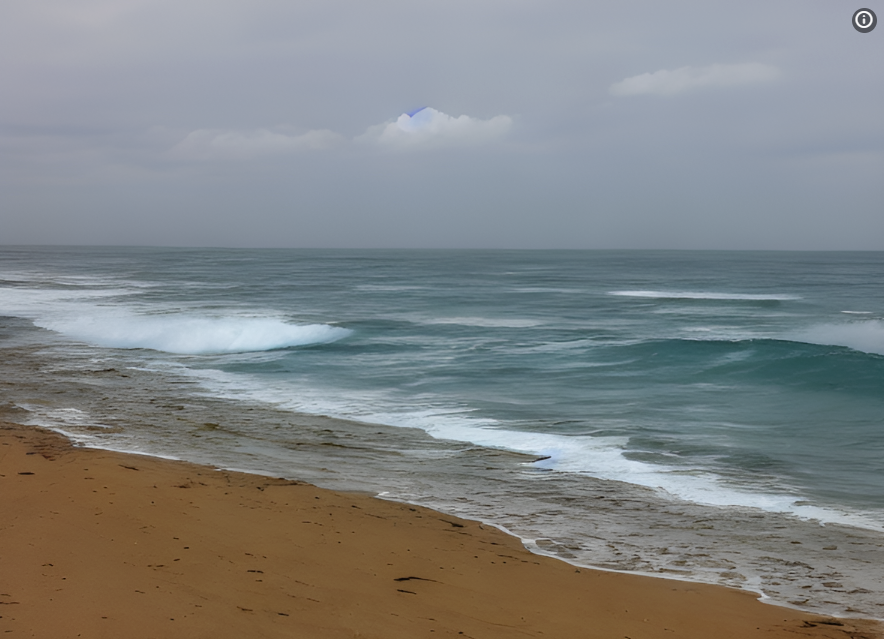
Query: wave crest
x=866, y=335
x=191, y=335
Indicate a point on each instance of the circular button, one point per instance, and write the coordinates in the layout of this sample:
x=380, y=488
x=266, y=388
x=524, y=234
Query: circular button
x=864, y=20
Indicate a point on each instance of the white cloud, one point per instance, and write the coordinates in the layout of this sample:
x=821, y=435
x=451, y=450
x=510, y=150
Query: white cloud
x=665, y=82
x=429, y=127
x=208, y=144
x=426, y=127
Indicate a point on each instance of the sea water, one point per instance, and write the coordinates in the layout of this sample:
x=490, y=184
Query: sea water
x=715, y=416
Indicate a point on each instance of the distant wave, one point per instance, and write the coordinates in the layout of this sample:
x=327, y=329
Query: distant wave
x=484, y=322
x=700, y=295
x=864, y=335
x=192, y=335
x=860, y=335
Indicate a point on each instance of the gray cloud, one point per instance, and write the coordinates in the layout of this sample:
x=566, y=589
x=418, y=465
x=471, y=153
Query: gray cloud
x=206, y=144
x=426, y=128
x=683, y=79
x=276, y=122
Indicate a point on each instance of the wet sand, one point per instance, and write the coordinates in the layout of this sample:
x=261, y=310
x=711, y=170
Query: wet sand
x=102, y=544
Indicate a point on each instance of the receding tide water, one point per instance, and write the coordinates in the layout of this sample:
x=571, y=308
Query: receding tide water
x=715, y=416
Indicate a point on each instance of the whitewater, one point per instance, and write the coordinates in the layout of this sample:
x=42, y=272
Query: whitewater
x=716, y=416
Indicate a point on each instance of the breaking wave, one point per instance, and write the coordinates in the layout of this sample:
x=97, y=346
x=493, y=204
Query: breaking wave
x=193, y=335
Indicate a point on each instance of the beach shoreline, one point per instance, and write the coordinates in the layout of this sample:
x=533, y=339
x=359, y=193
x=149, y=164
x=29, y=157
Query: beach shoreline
x=99, y=543
x=560, y=396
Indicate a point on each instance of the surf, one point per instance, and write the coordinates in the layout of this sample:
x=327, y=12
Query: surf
x=182, y=334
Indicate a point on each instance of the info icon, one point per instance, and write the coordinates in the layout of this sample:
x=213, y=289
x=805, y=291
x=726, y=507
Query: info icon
x=864, y=20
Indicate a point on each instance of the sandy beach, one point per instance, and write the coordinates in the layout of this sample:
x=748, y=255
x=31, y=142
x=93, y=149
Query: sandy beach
x=103, y=544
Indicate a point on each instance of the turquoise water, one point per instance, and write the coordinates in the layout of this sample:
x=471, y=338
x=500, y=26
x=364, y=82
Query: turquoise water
x=742, y=380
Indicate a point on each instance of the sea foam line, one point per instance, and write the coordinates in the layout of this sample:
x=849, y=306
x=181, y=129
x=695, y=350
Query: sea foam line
x=599, y=457
x=701, y=295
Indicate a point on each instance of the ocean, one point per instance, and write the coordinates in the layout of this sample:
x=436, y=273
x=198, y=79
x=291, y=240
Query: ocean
x=710, y=416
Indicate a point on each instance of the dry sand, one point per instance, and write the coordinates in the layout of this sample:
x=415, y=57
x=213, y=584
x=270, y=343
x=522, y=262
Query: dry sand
x=99, y=544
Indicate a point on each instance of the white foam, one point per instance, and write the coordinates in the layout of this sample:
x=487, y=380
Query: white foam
x=546, y=289
x=191, y=335
x=860, y=335
x=576, y=344
x=75, y=424
x=701, y=295
x=30, y=302
x=389, y=287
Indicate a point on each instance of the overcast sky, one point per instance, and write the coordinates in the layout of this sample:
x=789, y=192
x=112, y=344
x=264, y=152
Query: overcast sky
x=750, y=124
